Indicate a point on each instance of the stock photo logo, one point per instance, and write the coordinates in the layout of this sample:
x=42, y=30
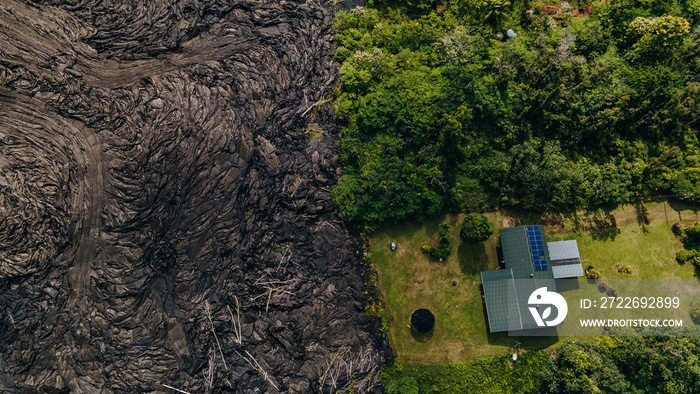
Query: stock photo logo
x=542, y=297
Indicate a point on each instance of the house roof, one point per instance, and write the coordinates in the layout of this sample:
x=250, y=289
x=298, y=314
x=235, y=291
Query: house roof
x=566, y=260
x=567, y=271
x=528, y=268
x=563, y=251
x=502, y=309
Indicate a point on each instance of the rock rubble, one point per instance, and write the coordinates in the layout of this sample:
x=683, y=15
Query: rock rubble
x=165, y=218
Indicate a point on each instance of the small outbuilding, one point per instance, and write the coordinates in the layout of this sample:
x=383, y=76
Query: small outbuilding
x=422, y=320
x=566, y=260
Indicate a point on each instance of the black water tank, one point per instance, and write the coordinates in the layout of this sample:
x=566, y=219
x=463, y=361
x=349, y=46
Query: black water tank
x=422, y=320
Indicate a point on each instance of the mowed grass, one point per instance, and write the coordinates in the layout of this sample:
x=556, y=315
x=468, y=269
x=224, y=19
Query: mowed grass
x=637, y=236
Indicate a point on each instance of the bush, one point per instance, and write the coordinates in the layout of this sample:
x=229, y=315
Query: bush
x=444, y=249
x=684, y=256
x=592, y=273
x=691, y=237
x=476, y=228
x=624, y=269
x=677, y=229
x=611, y=292
x=403, y=385
x=602, y=286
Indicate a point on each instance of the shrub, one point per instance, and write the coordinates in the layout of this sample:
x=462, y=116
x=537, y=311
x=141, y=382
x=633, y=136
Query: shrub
x=611, y=292
x=691, y=237
x=444, y=249
x=624, y=269
x=677, y=228
x=592, y=273
x=476, y=228
x=603, y=286
x=684, y=255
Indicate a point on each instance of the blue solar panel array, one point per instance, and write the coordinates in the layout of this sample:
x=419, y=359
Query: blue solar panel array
x=534, y=237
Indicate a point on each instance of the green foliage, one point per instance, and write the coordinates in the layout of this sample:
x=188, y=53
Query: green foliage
x=691, y=236
x=496, y=375
x=441, y=116
x=413, y=7
x=444, y=249
x=495, y=11
x=692, y=256
x=475, y=228
x=625, y=364
x=584, y=367
x=657, y=37
x=403, y=385
x=654, y=364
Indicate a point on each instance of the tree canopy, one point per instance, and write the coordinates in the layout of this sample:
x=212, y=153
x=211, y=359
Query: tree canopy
x=475, y=228
x=575, y=112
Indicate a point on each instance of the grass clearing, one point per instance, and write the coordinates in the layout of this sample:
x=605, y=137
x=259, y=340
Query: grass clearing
x=632, y=235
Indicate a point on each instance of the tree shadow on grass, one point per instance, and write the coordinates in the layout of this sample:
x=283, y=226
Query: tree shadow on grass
x=642, y=215
x=680, y=205
x=518, y=217
x=472, y=258
x=602, y=225
x=527, y=217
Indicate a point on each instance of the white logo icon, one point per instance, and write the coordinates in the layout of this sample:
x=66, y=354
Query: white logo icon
x=542, y=296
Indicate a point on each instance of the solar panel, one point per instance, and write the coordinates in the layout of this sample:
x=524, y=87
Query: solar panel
x=534, y=236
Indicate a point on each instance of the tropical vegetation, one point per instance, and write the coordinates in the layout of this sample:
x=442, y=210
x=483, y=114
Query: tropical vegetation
x=446, y=112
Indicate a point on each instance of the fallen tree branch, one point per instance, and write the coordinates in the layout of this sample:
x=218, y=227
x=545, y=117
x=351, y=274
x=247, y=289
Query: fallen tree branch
x=237, y=322
x=209, y=377
x=173, y=388
x=315, y=104
x=254, y=363
x=207, y=310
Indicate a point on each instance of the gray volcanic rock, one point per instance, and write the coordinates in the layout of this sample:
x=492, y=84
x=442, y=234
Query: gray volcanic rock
x=162, y=179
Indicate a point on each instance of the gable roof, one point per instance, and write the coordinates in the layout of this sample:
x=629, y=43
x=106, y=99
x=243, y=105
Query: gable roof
x=502, y=309
x=506, y=291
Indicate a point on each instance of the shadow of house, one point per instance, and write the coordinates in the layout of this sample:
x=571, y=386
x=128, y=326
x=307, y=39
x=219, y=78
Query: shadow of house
x=566, y=285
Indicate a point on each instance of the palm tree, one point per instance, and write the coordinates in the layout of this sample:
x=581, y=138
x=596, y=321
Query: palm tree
x=495, y=11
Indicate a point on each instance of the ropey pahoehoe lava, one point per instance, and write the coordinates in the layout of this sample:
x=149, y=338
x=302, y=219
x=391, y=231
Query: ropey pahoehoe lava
x=165, y=220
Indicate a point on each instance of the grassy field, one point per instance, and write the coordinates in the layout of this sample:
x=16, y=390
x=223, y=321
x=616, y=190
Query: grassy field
x=638, y=236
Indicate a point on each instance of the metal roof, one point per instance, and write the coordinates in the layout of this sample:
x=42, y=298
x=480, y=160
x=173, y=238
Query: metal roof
x=502, y=309
x=567, y=271
x=506, y=291
x=563, y=250
x=566, y=260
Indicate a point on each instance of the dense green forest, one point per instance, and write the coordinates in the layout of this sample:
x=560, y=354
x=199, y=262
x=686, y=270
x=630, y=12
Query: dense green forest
x=447, y=112
x=609, y=365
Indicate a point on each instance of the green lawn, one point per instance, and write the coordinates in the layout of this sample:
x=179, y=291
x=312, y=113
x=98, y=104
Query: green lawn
x=637, y=236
